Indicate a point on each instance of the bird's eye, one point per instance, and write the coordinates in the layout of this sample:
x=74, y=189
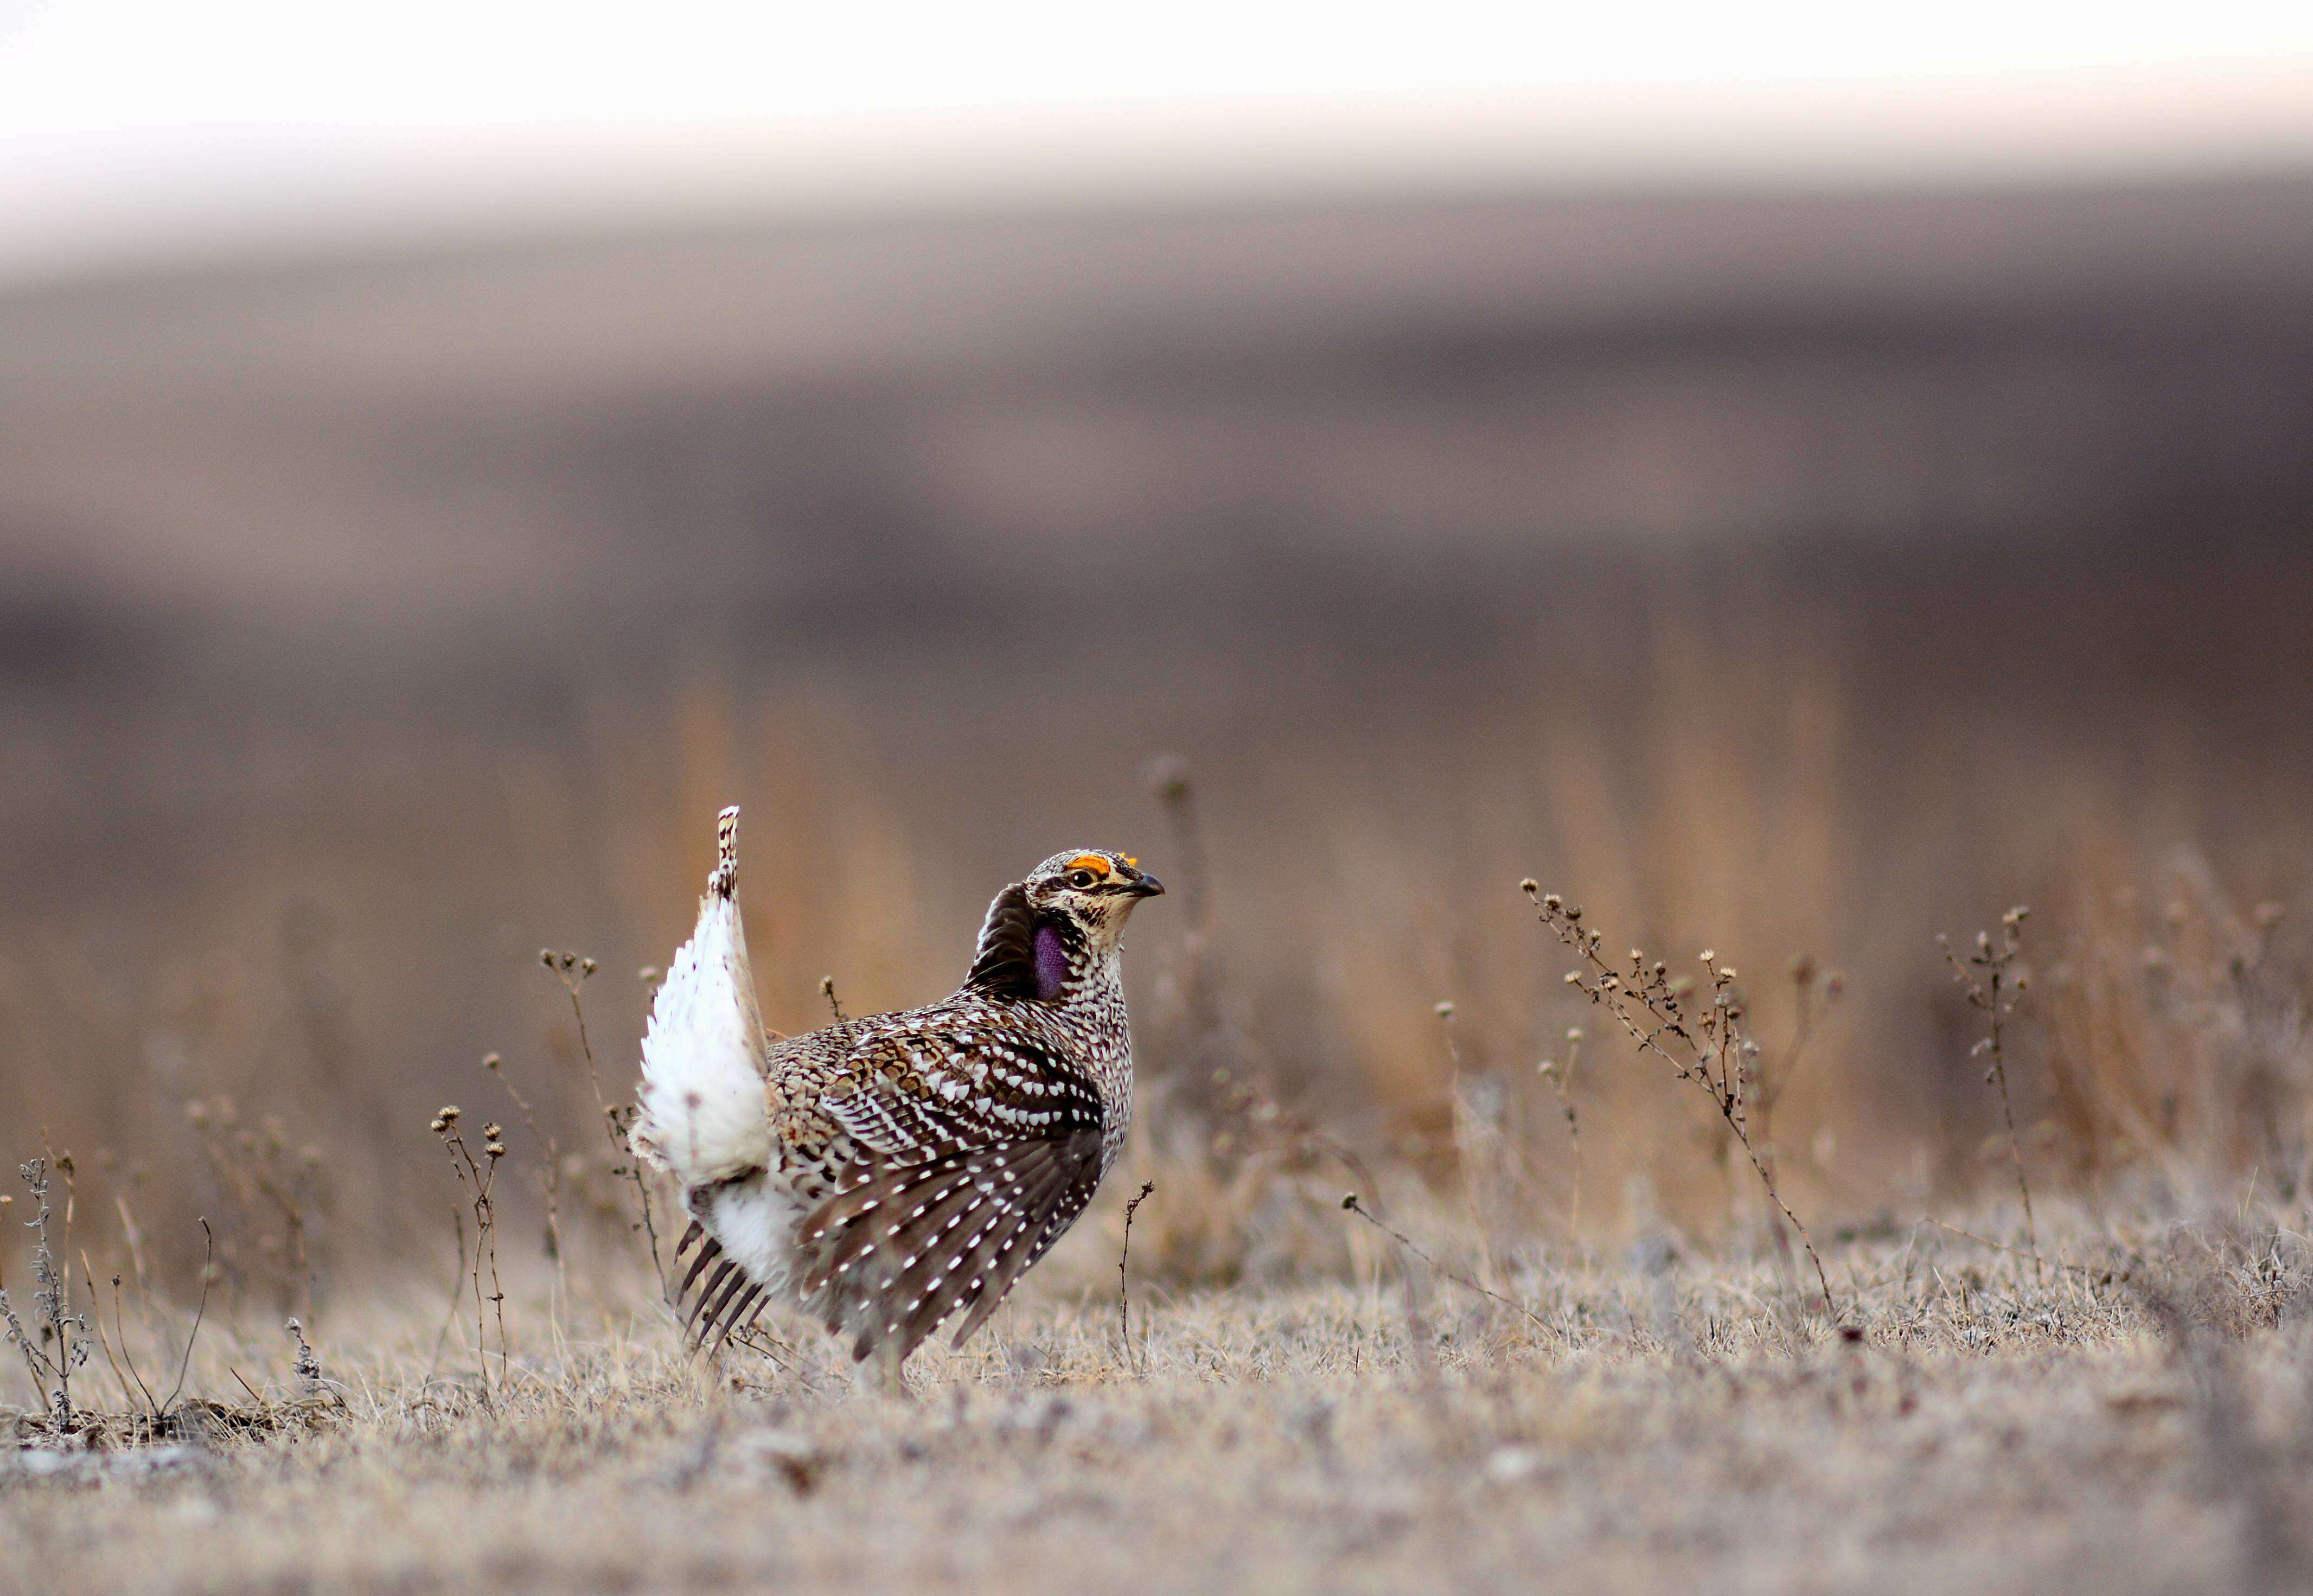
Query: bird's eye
x=1080, y=879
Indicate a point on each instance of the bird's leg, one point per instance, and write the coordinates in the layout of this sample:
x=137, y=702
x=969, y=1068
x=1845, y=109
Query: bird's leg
x=878, y=1373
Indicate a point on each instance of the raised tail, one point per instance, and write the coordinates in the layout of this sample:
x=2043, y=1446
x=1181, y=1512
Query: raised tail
x=705, y=1117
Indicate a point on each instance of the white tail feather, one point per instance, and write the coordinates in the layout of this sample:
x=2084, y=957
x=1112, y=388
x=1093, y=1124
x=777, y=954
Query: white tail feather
x=705, y=1116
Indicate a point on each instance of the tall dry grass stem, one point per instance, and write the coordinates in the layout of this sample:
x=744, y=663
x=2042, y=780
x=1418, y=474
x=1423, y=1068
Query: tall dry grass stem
x=1560, y=1078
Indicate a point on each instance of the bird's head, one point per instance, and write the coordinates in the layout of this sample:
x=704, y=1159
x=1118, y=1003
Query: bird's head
x=1095, y=888
x=1044, y=935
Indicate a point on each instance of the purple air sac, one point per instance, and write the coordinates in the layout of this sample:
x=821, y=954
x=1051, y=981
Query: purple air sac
x=1051, y=963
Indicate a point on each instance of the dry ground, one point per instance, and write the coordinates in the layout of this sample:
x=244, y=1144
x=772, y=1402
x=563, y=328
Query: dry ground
x=2139, y=1420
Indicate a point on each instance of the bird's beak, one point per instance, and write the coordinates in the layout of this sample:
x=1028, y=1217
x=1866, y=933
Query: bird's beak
x=1147, y=886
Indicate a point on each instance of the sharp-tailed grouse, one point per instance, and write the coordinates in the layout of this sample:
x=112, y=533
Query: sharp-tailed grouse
x=889, y=1173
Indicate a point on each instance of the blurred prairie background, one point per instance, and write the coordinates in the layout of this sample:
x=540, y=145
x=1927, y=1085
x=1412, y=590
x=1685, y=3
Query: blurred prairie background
x=1795, y=519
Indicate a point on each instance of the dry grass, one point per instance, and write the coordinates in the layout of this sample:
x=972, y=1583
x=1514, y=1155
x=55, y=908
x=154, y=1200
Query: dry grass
x=1602, y=1351
x=2139, y=1420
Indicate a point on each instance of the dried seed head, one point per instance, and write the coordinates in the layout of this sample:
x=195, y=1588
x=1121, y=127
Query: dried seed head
x=1544, y=1068
x=1168, y=774
x=1573, y=977
x=450, y=1113
x=495, y=1150
x=569, y=960
x=1708, y=955
x=1529, y=886
x=1573, y=911
x=492, y=1132
x=546, y=956
x=2015, y=917
x=1574, y=1033
x=586, y=967
x=1553, y=902
x=1727, y=972
x=647, y=973
x=491, y=1061
x=1445, y=1011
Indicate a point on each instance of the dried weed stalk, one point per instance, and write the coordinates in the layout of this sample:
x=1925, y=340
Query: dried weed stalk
x=478, y=1175
x=1660, y=1013
x=1354, y=1204
x=57, y=1343
x=573, y=970
x=1995, y=986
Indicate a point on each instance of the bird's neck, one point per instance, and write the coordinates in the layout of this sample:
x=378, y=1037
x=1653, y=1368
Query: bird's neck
x=1092, y=1006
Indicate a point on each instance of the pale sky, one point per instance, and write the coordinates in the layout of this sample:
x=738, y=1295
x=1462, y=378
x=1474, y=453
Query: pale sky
x=137, y=128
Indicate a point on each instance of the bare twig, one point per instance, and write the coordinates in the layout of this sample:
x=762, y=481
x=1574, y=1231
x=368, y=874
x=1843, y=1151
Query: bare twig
x=1124, y=1253
x=827, y=991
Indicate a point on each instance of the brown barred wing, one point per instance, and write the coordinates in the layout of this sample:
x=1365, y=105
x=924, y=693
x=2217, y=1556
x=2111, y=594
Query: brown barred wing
x=898, y=1255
